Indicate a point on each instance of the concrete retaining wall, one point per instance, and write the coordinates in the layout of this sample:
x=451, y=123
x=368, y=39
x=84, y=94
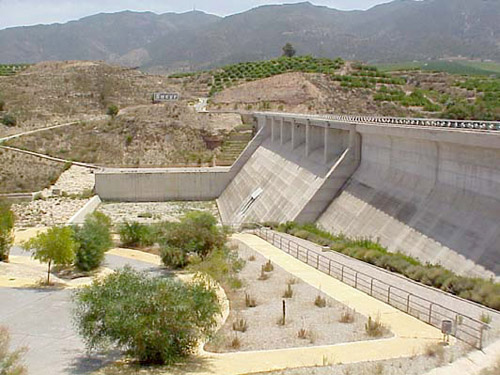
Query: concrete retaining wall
x=171, y=184
x=432, y=194
x=89, y=208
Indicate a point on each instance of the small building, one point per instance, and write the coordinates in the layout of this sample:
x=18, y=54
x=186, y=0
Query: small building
x=162, y=97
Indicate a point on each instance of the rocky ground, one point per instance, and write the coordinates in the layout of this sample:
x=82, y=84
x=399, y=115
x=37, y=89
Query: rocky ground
x=57, y=204
x=320, y=325
x=154, y=212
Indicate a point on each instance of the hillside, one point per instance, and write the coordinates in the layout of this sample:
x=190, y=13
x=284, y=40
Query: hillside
x=403, y=30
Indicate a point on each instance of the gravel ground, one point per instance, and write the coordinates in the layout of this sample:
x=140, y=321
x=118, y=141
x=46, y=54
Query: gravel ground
x=264, y=332
x=418, y=365
x=155, y=211
x=52, y=210
x=431, y=294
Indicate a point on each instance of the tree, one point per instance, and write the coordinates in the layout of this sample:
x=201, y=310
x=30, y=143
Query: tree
x=10, y=362
x=288, y=50
x=197, y=232
x=112, y=110
x=6, y=229
x=154, y=319
x=93, y=239
x=56, y=246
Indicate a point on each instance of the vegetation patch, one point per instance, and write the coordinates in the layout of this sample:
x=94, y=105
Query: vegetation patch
x=155, y=320
x=485, y=292
x=250, y=71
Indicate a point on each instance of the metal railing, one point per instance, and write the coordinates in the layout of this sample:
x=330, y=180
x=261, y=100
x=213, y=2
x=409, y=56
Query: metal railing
x=475, y=125
x=466, y=329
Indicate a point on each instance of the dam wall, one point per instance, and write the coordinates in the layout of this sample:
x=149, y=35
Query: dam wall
x=294, y=174
x=430, y=193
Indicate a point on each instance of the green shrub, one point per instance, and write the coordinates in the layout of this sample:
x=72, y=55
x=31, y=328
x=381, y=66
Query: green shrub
x=174, y=257
x=94, y=239
x=135, y=234
x=9, y=120
x=155, y=320
x=112, y=110
x=6, y=230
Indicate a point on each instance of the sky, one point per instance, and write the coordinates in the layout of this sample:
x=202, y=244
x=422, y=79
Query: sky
x=32, y=12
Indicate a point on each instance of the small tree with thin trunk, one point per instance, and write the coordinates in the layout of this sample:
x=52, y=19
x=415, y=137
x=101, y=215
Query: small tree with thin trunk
x=56, y=246
x=288, y=50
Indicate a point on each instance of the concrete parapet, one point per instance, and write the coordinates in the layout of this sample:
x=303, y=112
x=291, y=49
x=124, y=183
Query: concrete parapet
x=89, y=208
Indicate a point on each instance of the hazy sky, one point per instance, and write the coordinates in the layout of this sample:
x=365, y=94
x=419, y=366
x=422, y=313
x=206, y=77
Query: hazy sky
x=31, y=12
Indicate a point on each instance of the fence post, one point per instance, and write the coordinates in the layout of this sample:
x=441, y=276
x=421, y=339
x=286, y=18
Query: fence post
x=307, y=256
x=330, y=267
x=356, y=280
x=342, y=274
x=317, y=261
x=430, y=313
x=408, y=304
x=389, y=295
x=281, y=243
x=371, y=287
x=481, y=337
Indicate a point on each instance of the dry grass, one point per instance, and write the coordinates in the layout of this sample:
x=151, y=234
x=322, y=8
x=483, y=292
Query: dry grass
x=320, y=301
x=20, y=173
x=288, y=293
x=374, y=327
x=250, y=301
x=240, y=325
x=347, y=316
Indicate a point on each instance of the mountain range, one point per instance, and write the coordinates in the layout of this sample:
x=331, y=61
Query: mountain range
x=401, y=30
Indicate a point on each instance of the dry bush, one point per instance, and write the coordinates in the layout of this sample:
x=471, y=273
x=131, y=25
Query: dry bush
x=303, y=334
x=252, y=258
x=263, y=275
x=320, y=301
x=288, y=292
x=235, y=343
x=268, y=267
x=378, y=369
x=292, y=281
x=250, y=301
x=435, y=350
x=374, y=327
x=240, y=325
x=347, y=316
x=10, y=362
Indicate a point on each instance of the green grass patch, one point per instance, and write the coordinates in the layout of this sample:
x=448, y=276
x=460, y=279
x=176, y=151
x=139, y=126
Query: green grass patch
x=451, y=67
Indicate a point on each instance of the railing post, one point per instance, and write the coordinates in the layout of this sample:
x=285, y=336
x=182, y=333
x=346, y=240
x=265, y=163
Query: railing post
x=317, y=261
x=356, y=281
x=342, y=274
x=307, y=256
x=281, y=243
x=481, y=338
x=371, y=287
x=329, y=266
x=430, y=313
x=408, y=304
x=389, y=295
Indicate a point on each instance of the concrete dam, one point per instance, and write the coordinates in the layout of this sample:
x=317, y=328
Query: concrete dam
x=428, y=188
